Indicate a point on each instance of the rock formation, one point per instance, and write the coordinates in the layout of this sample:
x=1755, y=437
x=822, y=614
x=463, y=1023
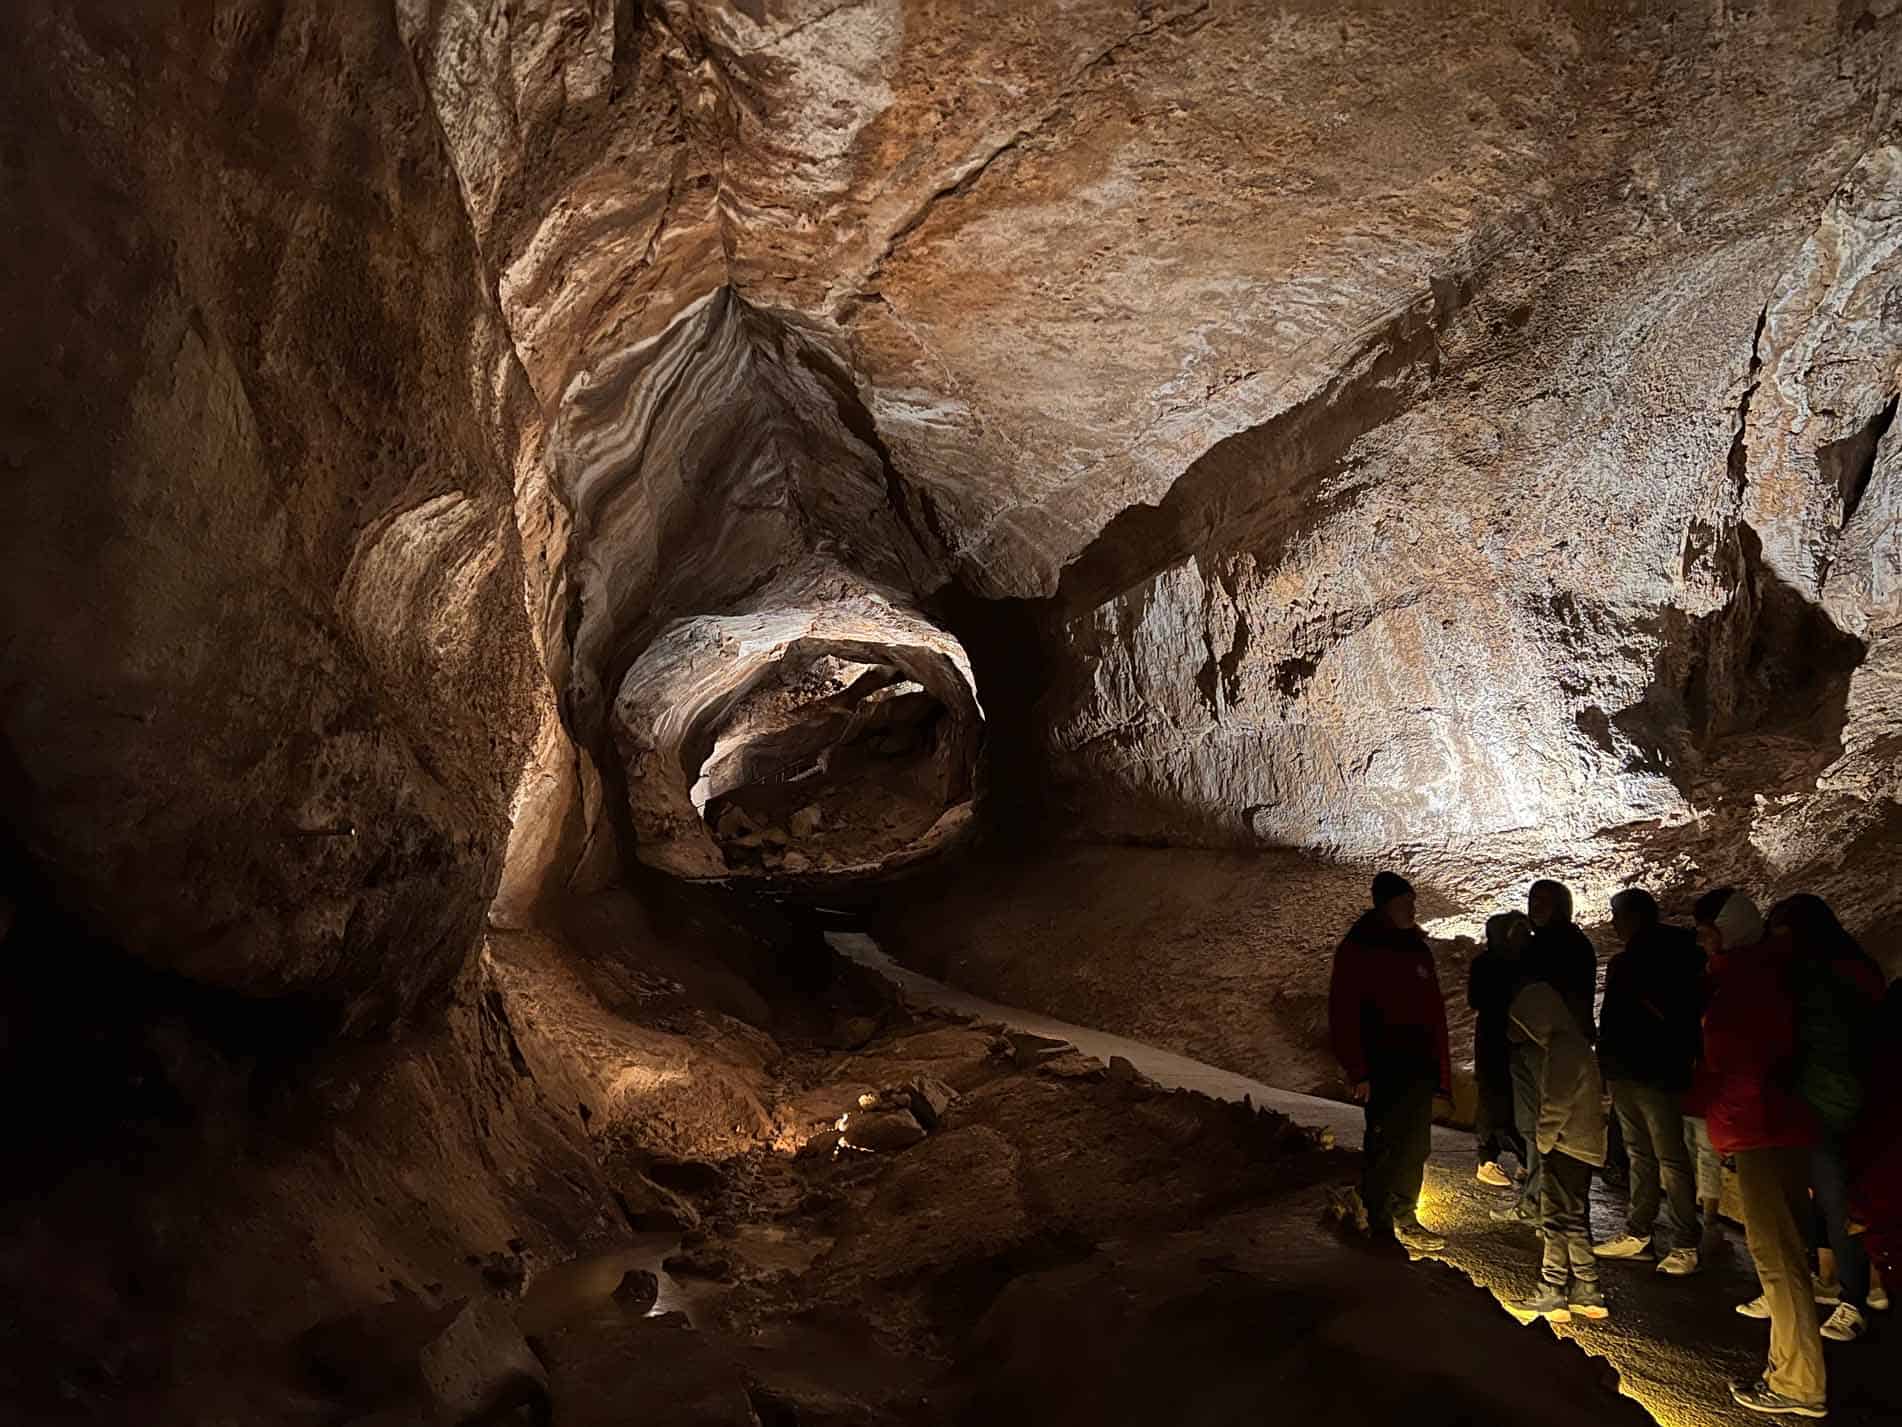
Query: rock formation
x=504, y=495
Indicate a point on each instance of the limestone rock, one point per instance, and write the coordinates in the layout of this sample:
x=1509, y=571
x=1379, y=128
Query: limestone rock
x=683, y=1377
x=370, y=1356
x=480, y=1364
x=1026, y=1049
x=638, y=1290
x=882, y=1131
x=930, y=1098
x=699, y=1262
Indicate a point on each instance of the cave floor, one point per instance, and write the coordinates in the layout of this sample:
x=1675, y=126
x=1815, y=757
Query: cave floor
x=1673, y=1343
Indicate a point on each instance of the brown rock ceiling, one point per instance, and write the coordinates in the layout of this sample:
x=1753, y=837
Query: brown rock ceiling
x=1461, y=432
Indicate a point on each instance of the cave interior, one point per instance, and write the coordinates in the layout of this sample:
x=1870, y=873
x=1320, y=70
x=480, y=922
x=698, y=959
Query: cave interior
x=538, y=528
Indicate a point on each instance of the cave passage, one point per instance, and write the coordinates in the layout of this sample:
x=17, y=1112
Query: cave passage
x=520, y=511
x=835, y=764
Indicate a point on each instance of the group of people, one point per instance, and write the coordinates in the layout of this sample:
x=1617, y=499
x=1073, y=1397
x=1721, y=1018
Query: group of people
x=1768, y=1045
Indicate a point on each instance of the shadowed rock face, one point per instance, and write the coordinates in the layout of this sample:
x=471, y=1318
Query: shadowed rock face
x=265, y=680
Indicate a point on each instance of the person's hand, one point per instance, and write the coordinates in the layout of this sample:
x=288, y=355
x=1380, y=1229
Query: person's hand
x=1360, y=1090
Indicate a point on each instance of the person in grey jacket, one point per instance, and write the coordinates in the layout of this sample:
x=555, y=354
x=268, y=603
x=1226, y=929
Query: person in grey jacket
x=1570, y=1132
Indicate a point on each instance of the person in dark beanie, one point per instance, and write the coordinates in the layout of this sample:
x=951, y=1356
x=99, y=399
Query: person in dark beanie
x=1491, y=983
x=1744, y=1091
x=1648, y=1044
x=1561, y=954
x=1388, y=1025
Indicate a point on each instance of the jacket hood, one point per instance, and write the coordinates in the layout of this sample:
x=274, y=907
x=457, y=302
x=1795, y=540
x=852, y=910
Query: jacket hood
x=1374, y=928
x=1739, y=922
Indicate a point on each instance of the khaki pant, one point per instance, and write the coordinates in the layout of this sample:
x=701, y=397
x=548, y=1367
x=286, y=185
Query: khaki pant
x=1774, y=1187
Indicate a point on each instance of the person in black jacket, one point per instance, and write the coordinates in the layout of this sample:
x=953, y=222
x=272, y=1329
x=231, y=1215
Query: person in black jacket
x=1491, y=983
x=1561, y=953
x=1648, y=1044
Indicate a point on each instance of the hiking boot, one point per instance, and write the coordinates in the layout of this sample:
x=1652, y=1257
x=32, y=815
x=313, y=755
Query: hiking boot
x=1587, y=1300
x=1513, y=1214
x=1549, y=1303
x=1845, y=1325
x=1491, y=1173
x=1627, y=1246
x=1758, y=1396
x=1679, y=1263
x=1417, y=1237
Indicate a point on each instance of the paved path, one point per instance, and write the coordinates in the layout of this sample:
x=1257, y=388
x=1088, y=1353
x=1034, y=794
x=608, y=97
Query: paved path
x=1675, y=1343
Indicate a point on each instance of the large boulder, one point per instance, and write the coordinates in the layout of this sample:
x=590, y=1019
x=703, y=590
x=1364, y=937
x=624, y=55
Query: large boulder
x=480, y=1364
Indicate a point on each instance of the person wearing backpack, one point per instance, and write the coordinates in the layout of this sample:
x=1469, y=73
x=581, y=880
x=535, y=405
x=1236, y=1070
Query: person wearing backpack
x=1570, y=1132
x=1837, y=990
x=1649, y=1040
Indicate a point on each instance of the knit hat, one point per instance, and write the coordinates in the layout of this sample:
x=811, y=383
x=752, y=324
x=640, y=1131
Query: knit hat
x=1739, y=922
x=1387, y=886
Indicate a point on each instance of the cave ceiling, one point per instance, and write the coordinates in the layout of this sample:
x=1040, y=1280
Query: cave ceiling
x=1414, y=424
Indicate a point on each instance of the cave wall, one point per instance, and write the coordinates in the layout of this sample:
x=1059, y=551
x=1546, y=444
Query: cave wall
x=267, y=683
x=1559, y=565
x=267, y=690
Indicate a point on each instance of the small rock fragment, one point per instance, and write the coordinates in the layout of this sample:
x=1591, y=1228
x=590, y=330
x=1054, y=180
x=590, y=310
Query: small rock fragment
x=735, y=823
x=930, y=1098
x=1122, y=1070
x=821, y=1145
x=882, y=1131
x=699, y=1263
x=807, y=821
x=639, y=1290
x=1027, y=1049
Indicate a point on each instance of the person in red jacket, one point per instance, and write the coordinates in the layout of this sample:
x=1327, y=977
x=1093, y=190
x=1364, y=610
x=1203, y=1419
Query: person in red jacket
x=1387, y=1021
x=1744, y=1090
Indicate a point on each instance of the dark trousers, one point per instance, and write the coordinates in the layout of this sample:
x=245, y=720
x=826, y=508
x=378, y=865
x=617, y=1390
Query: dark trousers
x=1565, y=1221
x=1399, y=1136
x=1525, y=1110
x=1493, y=1125
x=1662, y=1177
x=1829, y=1182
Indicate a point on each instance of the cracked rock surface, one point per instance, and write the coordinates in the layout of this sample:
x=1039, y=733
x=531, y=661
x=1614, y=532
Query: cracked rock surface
x=1422, y=432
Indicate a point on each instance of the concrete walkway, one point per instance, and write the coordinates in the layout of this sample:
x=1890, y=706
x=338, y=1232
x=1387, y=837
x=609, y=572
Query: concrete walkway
x=1675, y=1343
